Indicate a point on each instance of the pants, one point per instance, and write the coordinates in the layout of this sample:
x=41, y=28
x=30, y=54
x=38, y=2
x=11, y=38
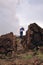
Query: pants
x=21, y=34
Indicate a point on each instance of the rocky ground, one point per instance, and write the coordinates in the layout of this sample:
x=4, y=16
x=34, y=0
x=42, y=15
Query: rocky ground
x=22, y=57
x=26, y=58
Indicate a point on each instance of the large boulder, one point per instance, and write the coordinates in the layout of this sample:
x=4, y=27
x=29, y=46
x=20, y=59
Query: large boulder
x=33, y=37
x=7, y=42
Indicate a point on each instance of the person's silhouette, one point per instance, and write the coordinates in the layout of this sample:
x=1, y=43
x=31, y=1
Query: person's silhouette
x=21, y=32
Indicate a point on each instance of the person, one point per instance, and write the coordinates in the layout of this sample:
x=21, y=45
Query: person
x=21, y=32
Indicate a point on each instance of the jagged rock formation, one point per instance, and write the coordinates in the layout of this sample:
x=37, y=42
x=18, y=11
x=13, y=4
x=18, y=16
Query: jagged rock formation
x=7, y=43
x=33, y=37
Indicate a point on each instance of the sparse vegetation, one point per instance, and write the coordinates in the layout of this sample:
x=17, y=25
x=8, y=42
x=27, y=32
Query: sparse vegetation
x=27, y=57
x=40, y=56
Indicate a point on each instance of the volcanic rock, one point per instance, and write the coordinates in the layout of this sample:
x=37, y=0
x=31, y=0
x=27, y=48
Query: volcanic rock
x=7, y=43
x=33, y=37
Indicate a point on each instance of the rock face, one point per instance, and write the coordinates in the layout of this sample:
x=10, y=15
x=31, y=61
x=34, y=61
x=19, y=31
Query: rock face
x=7, y=43
x=33, y=37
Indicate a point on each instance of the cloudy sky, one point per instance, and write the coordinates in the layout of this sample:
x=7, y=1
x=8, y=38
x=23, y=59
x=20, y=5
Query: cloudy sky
x=8, y=20
x=17, y=13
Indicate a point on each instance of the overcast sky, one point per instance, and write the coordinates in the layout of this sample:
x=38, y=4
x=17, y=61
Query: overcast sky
x=17, y=13
x=8, y=20
x=29, y=11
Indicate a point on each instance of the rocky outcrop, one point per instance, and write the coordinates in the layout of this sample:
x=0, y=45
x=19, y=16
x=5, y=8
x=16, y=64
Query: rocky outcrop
x=7, y=43
x=33, y=37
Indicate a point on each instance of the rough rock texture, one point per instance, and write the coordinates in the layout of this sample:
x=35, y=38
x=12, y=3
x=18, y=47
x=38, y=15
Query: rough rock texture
x=33, y=37
x=7, y=43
